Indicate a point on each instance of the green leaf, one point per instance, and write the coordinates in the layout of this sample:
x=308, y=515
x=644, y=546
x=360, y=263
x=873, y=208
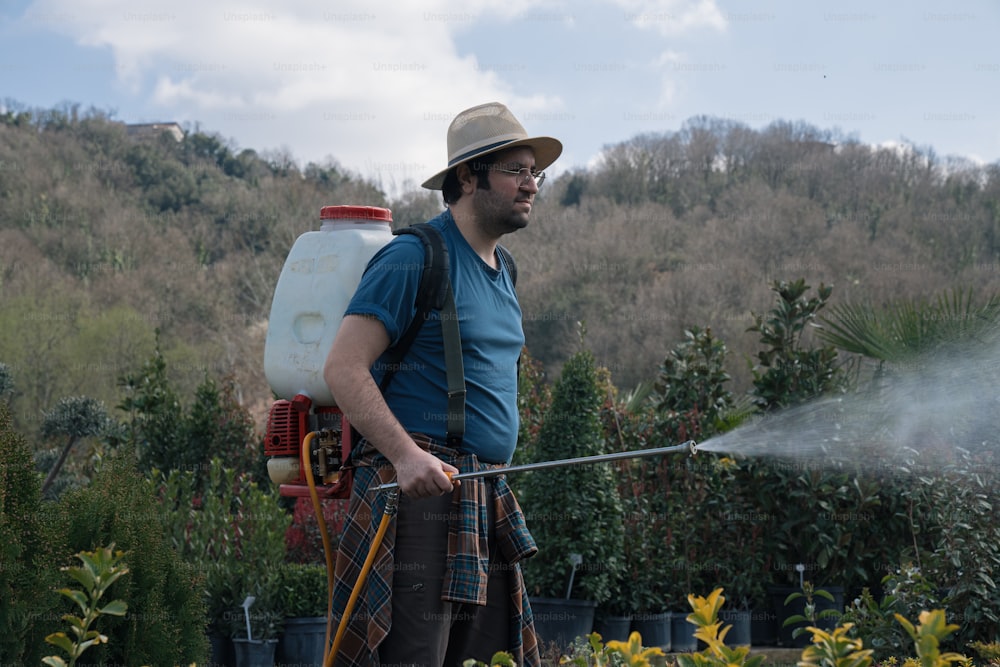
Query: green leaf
x=79, y=597
x=61, y=640
x=116, y=608
x=824, y=594
x=793, y=596
x=85, y=576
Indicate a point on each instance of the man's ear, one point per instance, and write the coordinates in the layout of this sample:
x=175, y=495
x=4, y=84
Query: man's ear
x=466, y=178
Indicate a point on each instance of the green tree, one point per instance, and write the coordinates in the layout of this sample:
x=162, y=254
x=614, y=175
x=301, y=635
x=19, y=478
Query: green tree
x=6, y=382
x=172, y=436
x=33, y=333
x=165, y=623
x=216, y=425
x=30, y=548
x=789, y=372
x=155, y=417
x=76, y=418
x=573, y=510
x=693, y=379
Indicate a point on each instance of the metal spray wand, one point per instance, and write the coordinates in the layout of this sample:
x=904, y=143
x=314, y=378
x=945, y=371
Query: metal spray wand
x=689, y=445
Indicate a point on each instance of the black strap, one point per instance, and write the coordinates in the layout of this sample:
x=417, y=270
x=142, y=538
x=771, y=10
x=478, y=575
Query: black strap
x=455, y=371
x=434, y=285
x=509, y=262
x=434, y=293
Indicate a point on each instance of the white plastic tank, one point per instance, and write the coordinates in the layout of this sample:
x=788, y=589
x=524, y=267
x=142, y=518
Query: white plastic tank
x=316, y=284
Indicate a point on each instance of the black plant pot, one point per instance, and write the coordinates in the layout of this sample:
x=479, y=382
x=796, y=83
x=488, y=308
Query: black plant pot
x=739, y=633
x=656, y=629
x=561, y=621
x=613, y=627
x=763, y=627
x=797, y=607
x=254, y=652
x=682, y=633
x=302, y=641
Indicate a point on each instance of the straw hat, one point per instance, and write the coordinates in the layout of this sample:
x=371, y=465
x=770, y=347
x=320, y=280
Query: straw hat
x=488, y=128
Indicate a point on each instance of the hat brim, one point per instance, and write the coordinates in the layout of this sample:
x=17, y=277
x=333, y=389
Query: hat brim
x=547, y=150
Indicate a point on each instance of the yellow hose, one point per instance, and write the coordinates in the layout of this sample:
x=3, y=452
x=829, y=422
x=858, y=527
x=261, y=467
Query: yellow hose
x=390, y=509
x=327, y=547
x=383, y=525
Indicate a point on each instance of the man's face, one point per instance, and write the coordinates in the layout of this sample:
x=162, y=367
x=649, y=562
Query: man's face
x=506, y=206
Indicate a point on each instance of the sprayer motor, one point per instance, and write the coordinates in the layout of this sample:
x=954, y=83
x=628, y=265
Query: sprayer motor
x=287, y=425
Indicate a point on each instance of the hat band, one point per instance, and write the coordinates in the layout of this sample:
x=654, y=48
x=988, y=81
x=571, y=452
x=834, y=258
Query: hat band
x=477, y=151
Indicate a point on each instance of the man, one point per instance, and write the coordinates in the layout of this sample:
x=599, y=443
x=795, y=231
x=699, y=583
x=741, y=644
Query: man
x=446, y=585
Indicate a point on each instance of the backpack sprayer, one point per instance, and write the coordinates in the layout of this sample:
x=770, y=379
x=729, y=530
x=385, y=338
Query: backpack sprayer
x=308, y=441
x=319, y=276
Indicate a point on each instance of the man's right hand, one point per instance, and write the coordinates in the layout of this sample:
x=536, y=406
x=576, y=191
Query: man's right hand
x=422, y=475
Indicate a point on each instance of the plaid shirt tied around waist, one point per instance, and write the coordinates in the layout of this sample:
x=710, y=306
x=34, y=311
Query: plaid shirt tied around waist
x=468, y=560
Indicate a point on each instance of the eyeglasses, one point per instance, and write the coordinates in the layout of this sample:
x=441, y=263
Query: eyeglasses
x=524, y=174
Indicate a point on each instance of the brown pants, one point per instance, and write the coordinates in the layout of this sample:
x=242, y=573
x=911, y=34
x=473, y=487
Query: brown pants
x=426, y=631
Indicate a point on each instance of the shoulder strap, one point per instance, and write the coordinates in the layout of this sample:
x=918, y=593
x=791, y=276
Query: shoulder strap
x=434, y=293
x=509, y=262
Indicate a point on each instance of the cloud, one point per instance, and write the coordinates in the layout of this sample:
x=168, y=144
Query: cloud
x=373, y=84
x=671, y=17
x=369, y=85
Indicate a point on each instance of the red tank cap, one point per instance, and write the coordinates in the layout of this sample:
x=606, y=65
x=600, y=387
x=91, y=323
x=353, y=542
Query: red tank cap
x=364, y=213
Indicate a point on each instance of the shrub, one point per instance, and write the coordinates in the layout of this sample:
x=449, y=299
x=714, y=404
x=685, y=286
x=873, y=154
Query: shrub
x=303, y=590
x=788, y=372
x=165, y=623
x=28, y=547
x=692, y=378
x=534, y=398
x=233, y=534
x=573, y=510
x=303, y=538
x=170, y=436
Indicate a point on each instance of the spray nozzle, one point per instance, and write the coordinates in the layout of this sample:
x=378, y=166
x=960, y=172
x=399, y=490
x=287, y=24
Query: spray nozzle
x=693, y=446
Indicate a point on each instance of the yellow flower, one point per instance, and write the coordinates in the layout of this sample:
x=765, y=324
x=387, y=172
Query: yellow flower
x=632, y=651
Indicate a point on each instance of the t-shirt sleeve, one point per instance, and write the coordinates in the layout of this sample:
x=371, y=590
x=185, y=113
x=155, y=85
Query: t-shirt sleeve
x=388, y=288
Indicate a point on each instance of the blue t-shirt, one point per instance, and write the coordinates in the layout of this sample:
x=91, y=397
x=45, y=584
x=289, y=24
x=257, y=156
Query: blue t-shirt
x=490, y=324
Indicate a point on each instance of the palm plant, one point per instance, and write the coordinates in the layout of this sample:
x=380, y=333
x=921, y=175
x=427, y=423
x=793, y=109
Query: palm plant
x=902, y=331
x=939, y=354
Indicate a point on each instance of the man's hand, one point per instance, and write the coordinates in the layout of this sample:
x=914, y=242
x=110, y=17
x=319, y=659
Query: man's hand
x=420, y=474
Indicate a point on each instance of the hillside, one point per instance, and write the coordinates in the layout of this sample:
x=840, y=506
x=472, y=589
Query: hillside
x=106, y=239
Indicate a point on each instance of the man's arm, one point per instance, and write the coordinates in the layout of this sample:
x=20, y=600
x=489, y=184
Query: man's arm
x=359, y=342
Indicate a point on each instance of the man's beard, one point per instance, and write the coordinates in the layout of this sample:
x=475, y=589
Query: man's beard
x=496, y=215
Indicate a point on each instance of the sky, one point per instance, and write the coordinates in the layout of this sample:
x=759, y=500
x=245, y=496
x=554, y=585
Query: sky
x=371, y=86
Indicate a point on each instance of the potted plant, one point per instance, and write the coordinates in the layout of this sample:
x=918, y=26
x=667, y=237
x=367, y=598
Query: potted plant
x=235, y=536
x=304, y=602
x=574, y=513
x=263, y=625
x=742, y=565
x=638, y=602
x=648, y=557
x=260, y=525
x=233, y=532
